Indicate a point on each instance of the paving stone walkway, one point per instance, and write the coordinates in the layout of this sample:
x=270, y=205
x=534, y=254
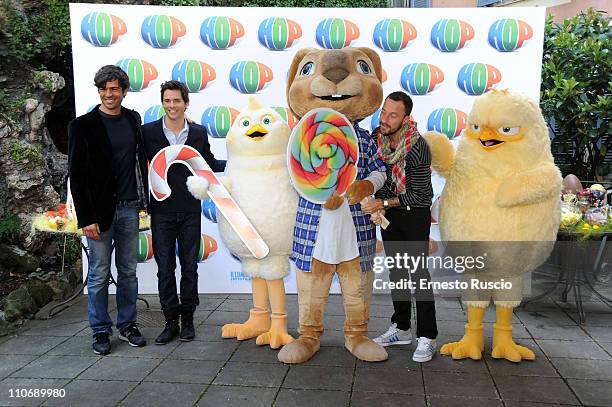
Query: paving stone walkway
x=573, y=365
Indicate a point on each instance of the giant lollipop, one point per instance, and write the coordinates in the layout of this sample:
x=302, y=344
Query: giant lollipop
x=322, y=155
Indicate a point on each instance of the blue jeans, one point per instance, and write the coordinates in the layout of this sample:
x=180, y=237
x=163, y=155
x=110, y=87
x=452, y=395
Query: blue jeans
x=123, y=237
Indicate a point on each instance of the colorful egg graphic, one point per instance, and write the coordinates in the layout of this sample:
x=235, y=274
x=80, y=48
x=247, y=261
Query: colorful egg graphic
x=208, y=247
x=218, y=119
x=476, y=78
x=140, y=72
x=196, y=75
x=209, y=210
x=250, y=76
x=145, y=247
x=375, y=120
x=421, y=78
x=447, y=121
x=219, y=32
x=336, y=33
x=153, y=113
x=509, y=34
x=162, y=31
x=102, y=29
x=287, y=115
x=449, y=35
x=393, y=34
x=278, y=33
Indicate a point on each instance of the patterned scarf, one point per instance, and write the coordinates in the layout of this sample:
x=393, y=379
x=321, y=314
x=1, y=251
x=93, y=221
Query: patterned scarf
x=409, y=135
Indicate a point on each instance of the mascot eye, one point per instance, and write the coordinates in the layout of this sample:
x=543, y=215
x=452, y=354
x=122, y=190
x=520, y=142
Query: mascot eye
x=266, y=119
x=307, y=69
x=245, y=123
x=475, y=127
x=363, y=67
x=508, y=131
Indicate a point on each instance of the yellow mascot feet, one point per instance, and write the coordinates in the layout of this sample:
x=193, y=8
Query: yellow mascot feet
x=365, y=349
x=472, y=343
x=277, y=336
x=300, y=350
x=257, y=324
x=503, y=344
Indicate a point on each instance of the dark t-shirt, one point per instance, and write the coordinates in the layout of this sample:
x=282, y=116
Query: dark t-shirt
x=123, y=142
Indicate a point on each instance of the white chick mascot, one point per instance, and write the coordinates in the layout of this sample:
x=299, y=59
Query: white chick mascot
x=257, y=178
x=502, y=198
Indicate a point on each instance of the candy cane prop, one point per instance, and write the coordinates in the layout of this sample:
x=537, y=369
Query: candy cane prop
x=191, y=158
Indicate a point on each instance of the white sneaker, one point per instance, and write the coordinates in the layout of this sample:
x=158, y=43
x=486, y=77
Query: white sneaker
x=425, y=350
x=394, y=336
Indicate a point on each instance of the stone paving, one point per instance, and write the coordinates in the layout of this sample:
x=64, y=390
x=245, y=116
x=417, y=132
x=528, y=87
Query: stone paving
x=573, y=365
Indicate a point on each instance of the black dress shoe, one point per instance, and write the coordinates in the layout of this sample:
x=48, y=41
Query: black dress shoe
x=187, y=328
x=170, y=332
x=101, y=344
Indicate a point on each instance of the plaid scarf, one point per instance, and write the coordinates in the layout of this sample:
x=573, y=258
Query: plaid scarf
x=407, y=139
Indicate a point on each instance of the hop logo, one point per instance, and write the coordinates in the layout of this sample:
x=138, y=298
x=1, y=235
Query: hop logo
x=393, y=34
x=287, y=115
x=477, y=78
x=250, y=76
x=196, y=75
x=218, y=120
x=153, y=113
x=375, y=120
x=336, y=33
x=140, y=72
x=509, y=34
x=449, y=35
x=421, y=78
x=278, y=33
x=209, y=210
x=145, y=247
x=102, y=29
x=448, y=121
x=162, y=31
x=220, y=32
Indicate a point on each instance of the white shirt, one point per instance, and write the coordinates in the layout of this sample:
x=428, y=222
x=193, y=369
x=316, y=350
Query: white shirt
x=172, y=139
x=337, y=237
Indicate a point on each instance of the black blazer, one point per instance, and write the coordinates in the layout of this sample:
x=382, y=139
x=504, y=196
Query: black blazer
x=91, y=169
x=180, y=200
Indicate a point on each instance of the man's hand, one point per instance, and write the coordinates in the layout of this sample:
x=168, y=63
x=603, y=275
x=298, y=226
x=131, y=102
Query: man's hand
x=372, y=206
x=333, y=202
x=92, y=231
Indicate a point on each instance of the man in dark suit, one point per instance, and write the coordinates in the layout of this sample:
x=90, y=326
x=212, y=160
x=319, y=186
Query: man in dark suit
x=177, y=218
x=108, y=179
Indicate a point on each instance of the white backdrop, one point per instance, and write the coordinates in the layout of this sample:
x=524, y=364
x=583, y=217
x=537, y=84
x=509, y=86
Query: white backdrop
x=442, y=57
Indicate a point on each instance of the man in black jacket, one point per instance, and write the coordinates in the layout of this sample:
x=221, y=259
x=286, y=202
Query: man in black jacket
x=406, y=198
x=178, y=218
x=108, y=180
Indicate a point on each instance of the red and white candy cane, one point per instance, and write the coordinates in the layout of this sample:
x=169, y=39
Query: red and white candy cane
x=191, y=158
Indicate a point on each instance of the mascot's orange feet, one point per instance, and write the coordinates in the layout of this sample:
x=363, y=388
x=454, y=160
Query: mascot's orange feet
x=472, y=343
x=365, y=349
x=257, y=324
x=277, y=336
x=503, y=344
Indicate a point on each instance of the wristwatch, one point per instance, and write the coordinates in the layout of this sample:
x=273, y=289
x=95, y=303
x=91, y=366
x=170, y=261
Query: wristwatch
x=385, y=204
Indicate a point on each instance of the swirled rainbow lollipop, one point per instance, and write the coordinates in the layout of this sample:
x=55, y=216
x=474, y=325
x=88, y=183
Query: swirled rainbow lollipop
x=322, y=155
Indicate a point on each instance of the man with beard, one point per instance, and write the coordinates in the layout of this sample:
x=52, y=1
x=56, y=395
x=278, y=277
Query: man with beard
x=406, y=200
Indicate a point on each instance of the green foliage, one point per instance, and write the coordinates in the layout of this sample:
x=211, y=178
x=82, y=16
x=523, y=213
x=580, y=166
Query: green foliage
x=179, y=3
x=9, y=228
x=576, y=79
x=40, y=34
x=73, y=249
x=25, y=154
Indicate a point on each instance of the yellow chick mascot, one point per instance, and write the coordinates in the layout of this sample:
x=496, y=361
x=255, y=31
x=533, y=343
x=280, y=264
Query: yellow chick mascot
x=502, y=193
x=256, y=175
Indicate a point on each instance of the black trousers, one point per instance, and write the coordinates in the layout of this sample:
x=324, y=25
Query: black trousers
x=408, y=233
x=168, y=229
